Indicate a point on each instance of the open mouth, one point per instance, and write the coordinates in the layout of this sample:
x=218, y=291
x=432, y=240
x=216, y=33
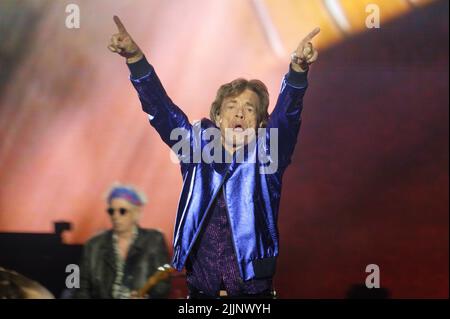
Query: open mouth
x=238, y=128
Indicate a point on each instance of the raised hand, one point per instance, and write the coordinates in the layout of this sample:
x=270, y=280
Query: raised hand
x=305, y=54
x=123, y=44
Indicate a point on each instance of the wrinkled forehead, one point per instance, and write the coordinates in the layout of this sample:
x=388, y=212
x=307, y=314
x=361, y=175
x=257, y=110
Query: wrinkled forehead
x=119, y=202
x=246, y=96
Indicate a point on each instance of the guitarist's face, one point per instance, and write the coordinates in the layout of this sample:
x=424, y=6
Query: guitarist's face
x=123, y=214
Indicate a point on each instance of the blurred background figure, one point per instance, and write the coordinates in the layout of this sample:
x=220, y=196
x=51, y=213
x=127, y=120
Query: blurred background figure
x=16, y=286
x=119, y=261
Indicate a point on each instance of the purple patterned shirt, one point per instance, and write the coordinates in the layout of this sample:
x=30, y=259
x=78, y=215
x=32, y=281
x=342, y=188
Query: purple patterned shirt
x=212, y=264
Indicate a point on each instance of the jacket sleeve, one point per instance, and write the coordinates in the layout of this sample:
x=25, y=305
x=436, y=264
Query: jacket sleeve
x=84, y=292
x=160, y=258
x=166, y=117
x=286, y=116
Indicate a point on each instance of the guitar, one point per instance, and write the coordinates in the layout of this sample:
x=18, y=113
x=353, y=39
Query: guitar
x=162, y=273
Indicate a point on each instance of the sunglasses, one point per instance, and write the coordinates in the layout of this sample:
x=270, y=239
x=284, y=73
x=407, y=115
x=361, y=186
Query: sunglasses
x=122, y=211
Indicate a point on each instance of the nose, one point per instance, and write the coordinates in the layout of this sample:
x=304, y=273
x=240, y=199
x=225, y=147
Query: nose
x=115, y=216
x=239, y=113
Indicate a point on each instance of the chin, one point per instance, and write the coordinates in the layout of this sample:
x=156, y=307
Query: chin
x=236, y=144
x=235, y=141
x=239, y=139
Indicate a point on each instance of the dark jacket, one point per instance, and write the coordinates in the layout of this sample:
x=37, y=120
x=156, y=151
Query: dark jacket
x=97, y=271
x=252, y=189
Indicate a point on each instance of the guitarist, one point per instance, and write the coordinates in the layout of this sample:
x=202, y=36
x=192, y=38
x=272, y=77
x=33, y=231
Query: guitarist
x=118, y=262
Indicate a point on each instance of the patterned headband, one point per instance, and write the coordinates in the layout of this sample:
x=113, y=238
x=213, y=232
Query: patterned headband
x=125, y=193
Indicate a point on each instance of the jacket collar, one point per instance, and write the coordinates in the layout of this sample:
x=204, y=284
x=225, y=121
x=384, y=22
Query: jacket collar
x=108, y=248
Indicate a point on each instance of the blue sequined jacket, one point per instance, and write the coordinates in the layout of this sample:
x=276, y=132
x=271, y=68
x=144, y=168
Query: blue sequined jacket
x=252, y=188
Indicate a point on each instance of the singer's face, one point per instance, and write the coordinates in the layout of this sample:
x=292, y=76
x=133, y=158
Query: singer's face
x=237, y=119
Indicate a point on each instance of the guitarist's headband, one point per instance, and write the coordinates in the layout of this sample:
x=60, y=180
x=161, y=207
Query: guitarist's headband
x=126, y=193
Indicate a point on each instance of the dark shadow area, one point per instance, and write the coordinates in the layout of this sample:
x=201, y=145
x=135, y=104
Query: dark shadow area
x=42, y=257
x=358, y=291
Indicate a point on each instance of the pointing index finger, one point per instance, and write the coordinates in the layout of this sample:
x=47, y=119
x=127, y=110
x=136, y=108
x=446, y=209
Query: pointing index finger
x=311, y=35
x=119, y=25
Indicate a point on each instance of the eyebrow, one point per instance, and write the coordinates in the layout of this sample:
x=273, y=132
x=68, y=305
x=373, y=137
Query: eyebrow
x=246, y=103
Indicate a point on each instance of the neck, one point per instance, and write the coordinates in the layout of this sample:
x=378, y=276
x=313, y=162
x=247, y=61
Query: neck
x=125, y=235
x=229, y=148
